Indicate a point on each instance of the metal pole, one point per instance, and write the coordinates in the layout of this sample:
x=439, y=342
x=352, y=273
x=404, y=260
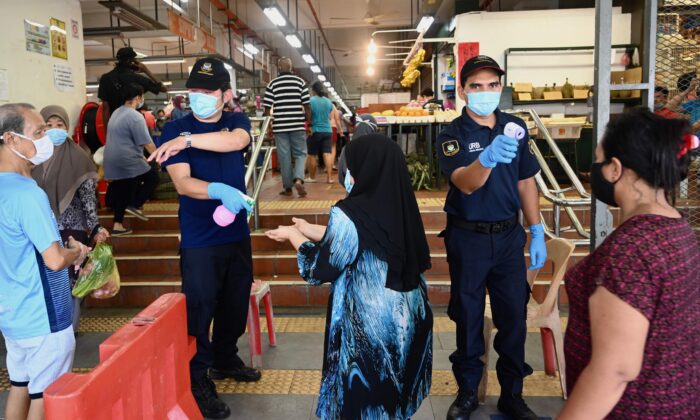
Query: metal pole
x=601, y=218
x=649, y=56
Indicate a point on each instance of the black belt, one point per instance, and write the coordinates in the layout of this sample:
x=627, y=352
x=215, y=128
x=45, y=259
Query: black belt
x=482, y=227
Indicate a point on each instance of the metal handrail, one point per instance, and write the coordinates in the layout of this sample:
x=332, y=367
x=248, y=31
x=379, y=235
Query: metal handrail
x=257, y=145
x=555, y=195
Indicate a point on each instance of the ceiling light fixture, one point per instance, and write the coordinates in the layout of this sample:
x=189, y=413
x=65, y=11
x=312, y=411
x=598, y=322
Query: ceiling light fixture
x=371, y=59
x=424, y=23
x=321, y=77
x=327, y=84
x=92, y=86
x=308, y=58
x=167, y=83
x=174, y=5
x=315, y=69
x=370, y=71
x=293, y=40
x=372, y=48
x=244, y=52
x=251, y=48
x=173, y=61
x=275, y=16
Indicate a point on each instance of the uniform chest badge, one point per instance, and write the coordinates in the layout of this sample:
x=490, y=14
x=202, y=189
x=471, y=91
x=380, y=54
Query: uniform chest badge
x=450, y=147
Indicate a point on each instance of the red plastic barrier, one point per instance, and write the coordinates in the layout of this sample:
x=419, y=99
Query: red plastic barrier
x=143, y=372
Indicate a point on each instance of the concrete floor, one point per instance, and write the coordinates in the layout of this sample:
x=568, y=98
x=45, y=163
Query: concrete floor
x=304, y=351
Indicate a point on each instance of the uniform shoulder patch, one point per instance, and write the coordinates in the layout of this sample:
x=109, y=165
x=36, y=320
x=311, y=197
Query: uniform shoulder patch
x=450, y=147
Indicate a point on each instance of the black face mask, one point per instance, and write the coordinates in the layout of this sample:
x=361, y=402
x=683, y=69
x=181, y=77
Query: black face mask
x=603, y=189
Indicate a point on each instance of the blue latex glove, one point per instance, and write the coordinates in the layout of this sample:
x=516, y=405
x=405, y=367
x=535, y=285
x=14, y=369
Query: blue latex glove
x=230, y=197
x=538, y=250
x=502, y=149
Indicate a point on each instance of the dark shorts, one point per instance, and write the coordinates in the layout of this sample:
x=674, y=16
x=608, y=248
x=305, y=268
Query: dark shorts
x=319, y=142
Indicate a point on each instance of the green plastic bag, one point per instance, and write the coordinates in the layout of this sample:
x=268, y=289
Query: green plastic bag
x=100, y=274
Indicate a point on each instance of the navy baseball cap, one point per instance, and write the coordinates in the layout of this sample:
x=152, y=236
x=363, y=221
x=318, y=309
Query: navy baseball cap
x=208, y=73
x=479, y=62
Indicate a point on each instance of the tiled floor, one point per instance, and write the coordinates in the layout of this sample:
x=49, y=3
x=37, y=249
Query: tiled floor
x=291, y=375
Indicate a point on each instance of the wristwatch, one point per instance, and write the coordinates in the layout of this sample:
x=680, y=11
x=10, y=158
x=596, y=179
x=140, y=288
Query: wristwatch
x=188, y=139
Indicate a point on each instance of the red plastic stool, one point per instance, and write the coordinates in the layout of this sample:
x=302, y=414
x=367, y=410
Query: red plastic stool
x=259, y=291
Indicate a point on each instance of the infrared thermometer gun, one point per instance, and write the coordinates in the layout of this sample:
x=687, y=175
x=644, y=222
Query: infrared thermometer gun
x=514, y=131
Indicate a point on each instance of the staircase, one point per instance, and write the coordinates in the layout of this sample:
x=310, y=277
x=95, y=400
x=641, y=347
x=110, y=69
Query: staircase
x=148, y=260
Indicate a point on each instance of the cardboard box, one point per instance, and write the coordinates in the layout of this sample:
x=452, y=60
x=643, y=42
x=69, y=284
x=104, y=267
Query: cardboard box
x=580, y=94
x=522, y=87
x=523, y=96
x=627, y=77
x=553, y=95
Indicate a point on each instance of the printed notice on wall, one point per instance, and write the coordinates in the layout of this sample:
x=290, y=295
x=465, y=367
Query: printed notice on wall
x=37, y=37
x=4, y=86
x=63, y=78
x=59, y=41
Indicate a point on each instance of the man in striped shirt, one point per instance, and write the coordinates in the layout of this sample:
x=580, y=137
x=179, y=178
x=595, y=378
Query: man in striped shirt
x=288, y=97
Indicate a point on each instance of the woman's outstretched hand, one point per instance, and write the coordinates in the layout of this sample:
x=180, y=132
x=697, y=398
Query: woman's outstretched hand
x=281, y=234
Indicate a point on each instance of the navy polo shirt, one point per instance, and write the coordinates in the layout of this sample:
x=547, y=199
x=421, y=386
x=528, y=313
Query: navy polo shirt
x=196, y=223
x=459, y=145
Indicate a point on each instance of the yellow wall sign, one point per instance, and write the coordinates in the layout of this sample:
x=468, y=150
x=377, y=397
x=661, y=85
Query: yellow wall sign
x=59, y=41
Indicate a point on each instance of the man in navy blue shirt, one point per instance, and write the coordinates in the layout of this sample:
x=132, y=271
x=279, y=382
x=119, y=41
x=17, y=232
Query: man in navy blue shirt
x=203, y=153
x=491, y=180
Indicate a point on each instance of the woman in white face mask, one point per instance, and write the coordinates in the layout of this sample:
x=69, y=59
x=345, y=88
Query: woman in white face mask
x=69, y=179
x=132, y=179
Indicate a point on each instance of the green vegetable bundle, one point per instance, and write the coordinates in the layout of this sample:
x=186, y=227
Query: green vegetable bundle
x=419, y=170
x=99, y=272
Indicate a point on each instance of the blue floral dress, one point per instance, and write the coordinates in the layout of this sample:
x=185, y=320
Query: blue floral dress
x=378, y=343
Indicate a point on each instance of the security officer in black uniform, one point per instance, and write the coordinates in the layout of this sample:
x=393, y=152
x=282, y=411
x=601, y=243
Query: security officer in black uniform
x=491, y=179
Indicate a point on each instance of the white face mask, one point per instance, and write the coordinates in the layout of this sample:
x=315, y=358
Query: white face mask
x=44, y=149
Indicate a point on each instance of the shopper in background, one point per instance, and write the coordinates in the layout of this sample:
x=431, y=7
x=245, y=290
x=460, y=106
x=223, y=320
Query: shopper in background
x=150, y=119
x=69, y=179
x=288, y=98
x=126, y=71
x=378, y=344
x=35, y=320
x=204, y=155
x=686, y=102
x=179, y=110
x=632, y=339
x=365, y=125
x=321, y=139
x=491, y=181
x=661, y=103
x=132, y=179
x=428, y=99
x=336, y=119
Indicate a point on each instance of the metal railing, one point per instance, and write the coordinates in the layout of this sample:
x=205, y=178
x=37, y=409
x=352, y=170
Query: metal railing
x=253, y=172
x=551, y=190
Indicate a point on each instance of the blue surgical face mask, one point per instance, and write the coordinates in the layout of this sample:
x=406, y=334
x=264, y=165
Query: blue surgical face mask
x=203, y=105
x=58, y=136
x=346, y=181
x=483, y=103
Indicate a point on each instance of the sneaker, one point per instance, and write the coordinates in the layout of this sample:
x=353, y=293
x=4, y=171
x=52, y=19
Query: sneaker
x=137, y=213
x=204, y=392
x=240, y=374
x=287, y=192
x=299, y=186
x=515, y=407
x=309, y=180
x=463, y=406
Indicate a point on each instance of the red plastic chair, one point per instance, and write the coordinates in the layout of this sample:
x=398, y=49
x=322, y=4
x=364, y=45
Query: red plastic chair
x=259, y=291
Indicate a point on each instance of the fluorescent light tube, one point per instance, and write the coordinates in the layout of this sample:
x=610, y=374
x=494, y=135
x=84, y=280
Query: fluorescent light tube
x=308, y=58
x=293, y=40
x=251, y=48
x=424, y=23
x=273, y=13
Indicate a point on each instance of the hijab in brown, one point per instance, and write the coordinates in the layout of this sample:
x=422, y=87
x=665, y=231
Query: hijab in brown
x=70, y=166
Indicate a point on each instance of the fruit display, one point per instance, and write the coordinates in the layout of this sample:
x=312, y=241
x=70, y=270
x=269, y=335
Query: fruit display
x=410, y=111
x=446, y=116
x=411, y=74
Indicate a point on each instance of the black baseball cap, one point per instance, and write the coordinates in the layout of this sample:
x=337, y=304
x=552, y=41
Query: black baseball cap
x=479, y=62
x=208, y=73
x=126, y=53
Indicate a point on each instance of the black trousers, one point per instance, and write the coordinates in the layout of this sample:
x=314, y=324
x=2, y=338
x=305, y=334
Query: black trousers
x=134, y=192
x=495, y=261
x=216, y=282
